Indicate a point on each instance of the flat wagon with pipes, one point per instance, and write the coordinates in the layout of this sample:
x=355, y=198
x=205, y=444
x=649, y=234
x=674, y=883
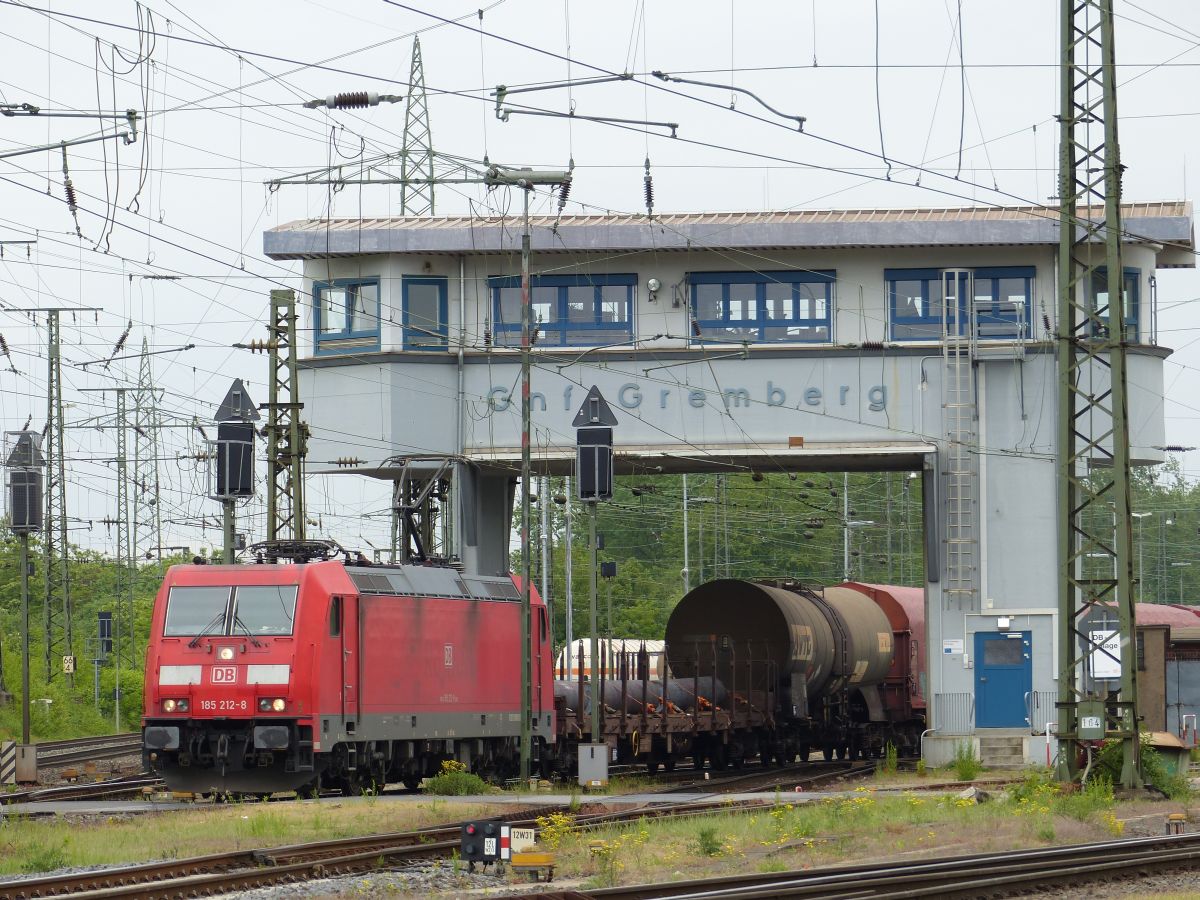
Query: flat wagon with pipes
x=766, y=670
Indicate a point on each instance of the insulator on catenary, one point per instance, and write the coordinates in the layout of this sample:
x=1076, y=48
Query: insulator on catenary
x=120, y=343
x=353, y=100
x=564, y=192
x=69, y=190
x=1046, y=321
x=648, y=183
x=872, y=345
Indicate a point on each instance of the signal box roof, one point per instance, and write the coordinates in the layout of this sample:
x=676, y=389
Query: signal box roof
x=1167, y=223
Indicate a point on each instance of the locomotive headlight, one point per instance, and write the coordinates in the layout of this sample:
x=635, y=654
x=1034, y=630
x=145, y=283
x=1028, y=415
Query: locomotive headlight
x=272, y=704
x=225, y=653
x=169, y=706
x=278, y=704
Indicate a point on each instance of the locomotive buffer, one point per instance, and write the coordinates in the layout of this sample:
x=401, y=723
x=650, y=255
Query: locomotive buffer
x=594, y=477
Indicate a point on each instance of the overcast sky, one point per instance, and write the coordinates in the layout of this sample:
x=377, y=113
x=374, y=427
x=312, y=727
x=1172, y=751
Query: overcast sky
x=898, y=114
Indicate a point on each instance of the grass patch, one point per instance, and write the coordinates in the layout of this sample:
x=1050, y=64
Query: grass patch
x=39, y=845
x=864, y=825
x=46, y=858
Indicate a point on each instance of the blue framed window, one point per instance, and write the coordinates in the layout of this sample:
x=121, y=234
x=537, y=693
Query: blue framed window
x=568, y=310
x=346, y=315
x=762, y=306
x=916, y=303
x=1001, y=301
x=425, y=307
x=1131, y=298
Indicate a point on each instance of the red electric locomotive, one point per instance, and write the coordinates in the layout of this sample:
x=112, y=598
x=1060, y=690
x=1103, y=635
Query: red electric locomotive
x=263, y=678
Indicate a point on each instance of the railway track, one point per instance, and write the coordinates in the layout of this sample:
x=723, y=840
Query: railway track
x=804, y=775
x=245, y=869
x=109, y=788
x=992, y=875
x=56, y=754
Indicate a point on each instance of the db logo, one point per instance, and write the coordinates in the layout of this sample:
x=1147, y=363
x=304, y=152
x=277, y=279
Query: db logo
x=224, y=675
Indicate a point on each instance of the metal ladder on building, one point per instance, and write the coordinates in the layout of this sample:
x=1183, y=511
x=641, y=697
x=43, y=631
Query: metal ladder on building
x=959, y=462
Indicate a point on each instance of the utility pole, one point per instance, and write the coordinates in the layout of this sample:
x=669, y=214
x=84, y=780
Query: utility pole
x=846, y=527
x=56, y=606
x=57, y=626
x=547, y=544
x=416, y=160
x=496, y=176
x=124, y=636
x=687, y=572
x=568, y=578
x=1093, y=422
x=526, y=180
x=287, y=436
x=24, y=562
x=147, y=509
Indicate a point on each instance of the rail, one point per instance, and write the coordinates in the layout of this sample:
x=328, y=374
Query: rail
x=52, y=754
x=960, y=876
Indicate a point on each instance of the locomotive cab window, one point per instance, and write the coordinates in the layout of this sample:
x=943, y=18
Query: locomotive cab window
x=251, y=609
x=335, y=617
x=196, y=610
x=265, y=609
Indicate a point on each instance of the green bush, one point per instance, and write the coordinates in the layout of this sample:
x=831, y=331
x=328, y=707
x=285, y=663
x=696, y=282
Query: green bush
x=707, y=842
x=455, y=784
x=966, y=764
x=1154, y=770
x=891, y=758
x=1035, y=786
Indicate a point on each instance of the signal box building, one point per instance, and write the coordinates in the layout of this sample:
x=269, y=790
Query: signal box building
x=902, y=339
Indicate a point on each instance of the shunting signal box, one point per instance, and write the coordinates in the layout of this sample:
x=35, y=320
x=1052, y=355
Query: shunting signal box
x=487, y=841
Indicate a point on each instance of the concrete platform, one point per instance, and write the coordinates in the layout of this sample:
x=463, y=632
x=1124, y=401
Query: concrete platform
x=995, y=747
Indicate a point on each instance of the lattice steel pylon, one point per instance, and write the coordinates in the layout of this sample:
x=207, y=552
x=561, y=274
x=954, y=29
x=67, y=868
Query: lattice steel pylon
x=416, y=160
x=125, y=644
x=126, y=562
x=287, y=436
x=147, y=514
x=1095, y=546
x=56, y=606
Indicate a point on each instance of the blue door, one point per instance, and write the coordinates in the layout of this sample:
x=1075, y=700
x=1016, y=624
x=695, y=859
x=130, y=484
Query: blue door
x=1003, y=678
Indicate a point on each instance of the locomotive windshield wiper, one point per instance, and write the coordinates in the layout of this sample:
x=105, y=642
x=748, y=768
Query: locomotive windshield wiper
x=237, y=622
x=218, y=618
